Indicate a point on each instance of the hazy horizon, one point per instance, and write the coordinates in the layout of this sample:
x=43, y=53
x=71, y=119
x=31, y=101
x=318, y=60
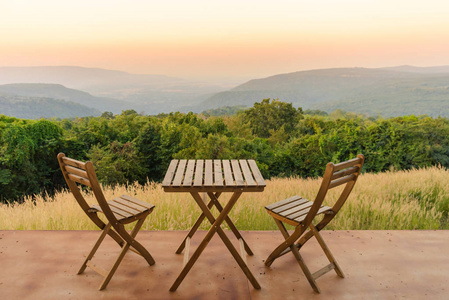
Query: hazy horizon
x=232, y=40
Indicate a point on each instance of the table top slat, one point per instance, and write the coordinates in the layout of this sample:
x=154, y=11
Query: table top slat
x=229, y=180
x=218, y=173
x=213, y=175
x=237, y=173
x=247, y=173
x=179, y=176
x=188, y=178
x=198, y=182
x=208, y=175
x=256, y=172
x=170, y=173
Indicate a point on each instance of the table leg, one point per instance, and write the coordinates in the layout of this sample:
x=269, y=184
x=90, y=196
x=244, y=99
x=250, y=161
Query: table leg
x=215, y=228
x=196, y=225
x=230, y=223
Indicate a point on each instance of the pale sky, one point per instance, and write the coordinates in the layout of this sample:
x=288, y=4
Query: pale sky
x=200, y=39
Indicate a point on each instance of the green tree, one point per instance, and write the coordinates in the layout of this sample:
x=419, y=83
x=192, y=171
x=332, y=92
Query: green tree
x=267, y=117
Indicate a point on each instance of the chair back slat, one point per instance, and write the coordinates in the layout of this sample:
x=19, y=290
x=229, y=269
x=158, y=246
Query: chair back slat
x=347, y=164
x=342, y=180
x=79, y=179
x=74, y=163
x=343, y=173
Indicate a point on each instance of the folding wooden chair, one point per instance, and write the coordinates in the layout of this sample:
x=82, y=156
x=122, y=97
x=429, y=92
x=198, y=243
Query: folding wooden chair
x=119, y=211
x=300, y=213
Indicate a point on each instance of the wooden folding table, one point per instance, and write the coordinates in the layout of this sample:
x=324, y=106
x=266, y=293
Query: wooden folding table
x=214, y=177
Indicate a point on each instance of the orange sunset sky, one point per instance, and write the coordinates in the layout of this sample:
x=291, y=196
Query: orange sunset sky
x=198, y=39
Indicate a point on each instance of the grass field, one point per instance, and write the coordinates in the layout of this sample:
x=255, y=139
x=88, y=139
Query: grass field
x=416, y=199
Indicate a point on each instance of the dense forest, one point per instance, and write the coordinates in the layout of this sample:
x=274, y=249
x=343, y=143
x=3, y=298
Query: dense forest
x=284, y=141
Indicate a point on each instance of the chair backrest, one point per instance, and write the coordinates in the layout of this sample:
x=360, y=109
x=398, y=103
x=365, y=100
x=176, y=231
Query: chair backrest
x=74, y=172
x=344, y=173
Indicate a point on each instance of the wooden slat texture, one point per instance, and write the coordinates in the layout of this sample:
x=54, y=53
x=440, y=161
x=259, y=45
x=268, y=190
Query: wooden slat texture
x=323, y=271
x=256, y=172
x=347, y=164
x=213, y=175
x=297, y=211
x=290, y=205
x=137, y=201
x=124, y=208
x=189, y=173
x=79, y=179
x=237, y=173
x=283, y=202
x=208, y=175
x=229, y=180
x=344, y=172
x=179, y=176
x=74, y=163
x=218, y=173
x=76, y=171
x=170, y=173
x=247, y=173
x=120, y=212
x=199, y=171
x=320, y=211
x=97, y=268
x=136, y=207
x=342, y=180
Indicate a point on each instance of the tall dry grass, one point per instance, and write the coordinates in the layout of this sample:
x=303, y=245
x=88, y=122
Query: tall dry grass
x=415, y=199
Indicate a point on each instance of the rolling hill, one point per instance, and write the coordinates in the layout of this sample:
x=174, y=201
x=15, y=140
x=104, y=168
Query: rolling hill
x=60, y=92
x=39, y=107
x=151, y=94
x=389, y=92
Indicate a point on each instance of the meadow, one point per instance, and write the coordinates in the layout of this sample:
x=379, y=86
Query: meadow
x=413, y=199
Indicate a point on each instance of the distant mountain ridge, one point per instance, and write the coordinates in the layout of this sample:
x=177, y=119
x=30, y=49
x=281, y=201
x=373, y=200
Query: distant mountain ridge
x=60, y=92
x=80, y=77
x=147, y=93
x=40, y=107
x=386, y=91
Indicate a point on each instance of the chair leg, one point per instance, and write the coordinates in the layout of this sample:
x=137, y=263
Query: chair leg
x=136, y=245
x=295, y=251
x=95, y=248
x=125, y=248
x=327, y=251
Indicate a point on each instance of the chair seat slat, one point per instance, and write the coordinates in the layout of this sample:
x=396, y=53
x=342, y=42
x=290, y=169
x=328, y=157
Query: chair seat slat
x=320, y=211
x=137, y=201
x=283, y=202
x=290, y=205
x=125, y=208
x=297, y=210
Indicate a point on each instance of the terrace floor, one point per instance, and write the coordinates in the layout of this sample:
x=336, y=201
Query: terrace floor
x=377, y=265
